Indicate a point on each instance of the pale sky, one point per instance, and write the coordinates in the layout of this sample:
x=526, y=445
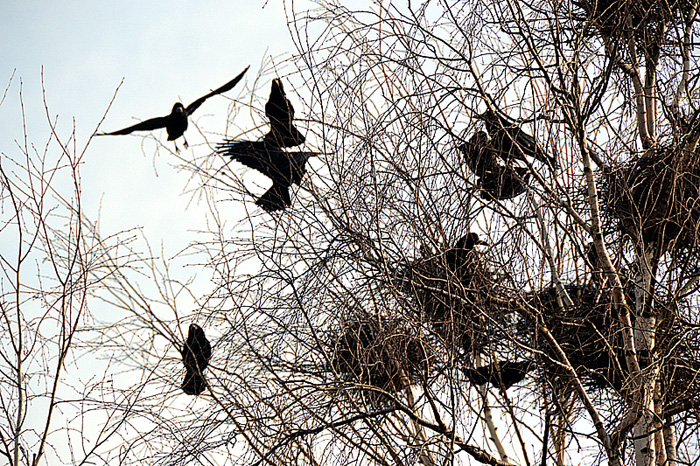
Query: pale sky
x=165, y=51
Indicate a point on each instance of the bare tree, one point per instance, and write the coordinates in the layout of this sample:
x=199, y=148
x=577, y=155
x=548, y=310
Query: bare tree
x=58, y=403
x=365, y=323
x=369, y=335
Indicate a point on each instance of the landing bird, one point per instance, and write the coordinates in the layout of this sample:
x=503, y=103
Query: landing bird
x=507, y=372
x=176, y=123
x=195, y=355
x=280, y=111
x=283, y=168
x=512, y=142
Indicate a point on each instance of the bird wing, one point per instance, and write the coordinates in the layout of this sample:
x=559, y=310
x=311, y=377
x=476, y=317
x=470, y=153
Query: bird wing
x=148, y=125
x=226, y=87
x=257, y=155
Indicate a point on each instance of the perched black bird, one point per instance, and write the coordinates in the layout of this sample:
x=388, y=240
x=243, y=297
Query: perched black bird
x=478, y=153
x=457, y=256
x=283, y=168
x=592, y=256
x=510, y=373
x=498, y=181
x=195, y=355
x=504, y=182
x=511, y=142
x=176, y=123
x=280, y=111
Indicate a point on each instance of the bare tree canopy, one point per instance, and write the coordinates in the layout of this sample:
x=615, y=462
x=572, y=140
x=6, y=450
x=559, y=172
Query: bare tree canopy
x=491, y=258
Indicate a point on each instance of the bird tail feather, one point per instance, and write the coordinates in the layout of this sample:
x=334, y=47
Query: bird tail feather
x=276, y=198
x=194, y=383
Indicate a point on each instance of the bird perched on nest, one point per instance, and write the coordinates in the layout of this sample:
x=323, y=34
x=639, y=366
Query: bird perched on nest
x=507, y=373
x=498, y=181
x=280, y=111
x=283, y=168
x=511, y=142
x=458, y=255
x=195, y=355
x=176, y=123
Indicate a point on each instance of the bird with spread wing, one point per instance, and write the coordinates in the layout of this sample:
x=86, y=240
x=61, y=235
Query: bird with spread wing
x=283, y=168
x=176, y=122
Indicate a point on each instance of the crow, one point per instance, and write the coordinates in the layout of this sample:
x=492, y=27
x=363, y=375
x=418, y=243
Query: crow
x=176, y=123
x=456, y=256
x=195, y=355
x=511, y=142
x=283, y=168
x=507, y=373
x=504, y=182
x=280, y=111
x=498, y=181
x=478, y=153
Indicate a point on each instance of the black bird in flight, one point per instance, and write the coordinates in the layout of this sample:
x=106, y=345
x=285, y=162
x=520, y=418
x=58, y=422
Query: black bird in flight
x=507, y=372
x=283, y=168
x=511, y=142
x=195, y=355
x=176, y=123
x=280, y=111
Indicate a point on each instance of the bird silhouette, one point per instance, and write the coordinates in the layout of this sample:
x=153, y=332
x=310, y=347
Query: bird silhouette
x=511, y=142
x=280, y=111
x=176, y=123
x=504, y=182
x=498, y=181
x=283, y=168
x=457, y=256
x=507, y=373
x=478, y=153
x=195, y=355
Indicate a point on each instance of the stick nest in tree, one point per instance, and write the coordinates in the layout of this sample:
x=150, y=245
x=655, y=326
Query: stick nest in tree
x=381, y=353
x=656, y=198
x=645, y=20
x=454, y=292
x=590, y=335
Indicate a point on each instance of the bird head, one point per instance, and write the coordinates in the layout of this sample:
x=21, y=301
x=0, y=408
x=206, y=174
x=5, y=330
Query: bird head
x=178, y=108
x=468, y=241
x=487, y=115
x=277, y=87
x=480, y=139
x=194, y=328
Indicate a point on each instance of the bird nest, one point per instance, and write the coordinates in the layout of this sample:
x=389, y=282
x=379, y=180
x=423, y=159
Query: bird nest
x=643, y=18
x=453, y=291
x=384, y=354
x=590, y=335
x=656, y=198
x=588, y=332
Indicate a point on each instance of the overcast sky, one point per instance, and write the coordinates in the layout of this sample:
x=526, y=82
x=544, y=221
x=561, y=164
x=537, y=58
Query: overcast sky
x=164, y=51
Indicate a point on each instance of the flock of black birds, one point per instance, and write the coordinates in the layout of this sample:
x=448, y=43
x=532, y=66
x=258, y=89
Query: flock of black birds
x=266, y=156
x=505, y=141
